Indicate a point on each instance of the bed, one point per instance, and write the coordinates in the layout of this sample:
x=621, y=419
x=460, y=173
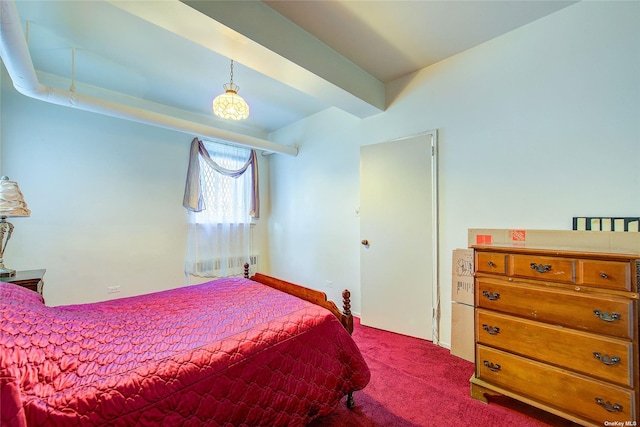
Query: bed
x=230, y=352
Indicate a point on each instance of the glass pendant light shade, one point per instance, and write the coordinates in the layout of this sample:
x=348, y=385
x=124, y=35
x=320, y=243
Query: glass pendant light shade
x=230, y=105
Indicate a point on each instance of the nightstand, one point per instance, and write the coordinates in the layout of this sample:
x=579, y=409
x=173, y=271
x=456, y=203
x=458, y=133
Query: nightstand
x=30, y=279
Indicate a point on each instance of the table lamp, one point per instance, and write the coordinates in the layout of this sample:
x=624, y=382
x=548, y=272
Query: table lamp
x=12, y=204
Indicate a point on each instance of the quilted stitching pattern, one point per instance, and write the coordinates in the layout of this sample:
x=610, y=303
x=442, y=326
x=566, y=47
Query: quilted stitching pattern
x=228, y=352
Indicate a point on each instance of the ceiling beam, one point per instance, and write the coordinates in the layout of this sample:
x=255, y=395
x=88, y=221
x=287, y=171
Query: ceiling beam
x=268, y=43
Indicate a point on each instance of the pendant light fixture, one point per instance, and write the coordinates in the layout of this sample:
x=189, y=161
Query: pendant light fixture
x=230, y=105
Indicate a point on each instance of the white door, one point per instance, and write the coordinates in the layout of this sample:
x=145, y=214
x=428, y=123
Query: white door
x=397, y=230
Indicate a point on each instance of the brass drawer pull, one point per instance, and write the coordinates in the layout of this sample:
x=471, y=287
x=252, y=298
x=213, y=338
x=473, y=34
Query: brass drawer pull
x=492, y=366
x=604, y=275
x=491, y=296
x=492, y=330
x=611, y=407
x=606, y=316
x=604, y=358
x=491, y=264
x=540, y=268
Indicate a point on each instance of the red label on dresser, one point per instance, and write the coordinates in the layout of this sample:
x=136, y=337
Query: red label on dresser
x=518, y=235
x=483, y=239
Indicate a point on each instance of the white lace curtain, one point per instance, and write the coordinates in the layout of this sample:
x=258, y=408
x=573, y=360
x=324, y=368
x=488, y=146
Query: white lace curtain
x=221, y=195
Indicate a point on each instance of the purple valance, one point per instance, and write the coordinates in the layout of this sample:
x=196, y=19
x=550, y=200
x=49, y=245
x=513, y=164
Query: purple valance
x=193, y=190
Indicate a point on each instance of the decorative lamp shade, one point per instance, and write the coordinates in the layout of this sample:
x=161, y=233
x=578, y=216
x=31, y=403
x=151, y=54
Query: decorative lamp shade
x=12, y=202
x=230, y=105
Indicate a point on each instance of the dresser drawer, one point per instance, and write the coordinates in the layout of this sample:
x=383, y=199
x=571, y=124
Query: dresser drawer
x=551, y=269
x=608, y=315
x=607, y=358
x=606, y=274
x=491, y=262
x=596, y=400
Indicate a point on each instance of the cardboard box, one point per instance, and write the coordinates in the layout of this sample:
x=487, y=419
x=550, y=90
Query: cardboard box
x=605, y=241
x=462, y=276
x=462, y=331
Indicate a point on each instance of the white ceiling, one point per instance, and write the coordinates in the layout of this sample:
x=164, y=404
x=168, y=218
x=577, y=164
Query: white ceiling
x=292, y=58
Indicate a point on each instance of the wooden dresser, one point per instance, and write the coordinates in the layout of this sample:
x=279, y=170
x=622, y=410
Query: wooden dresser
x=558, y=329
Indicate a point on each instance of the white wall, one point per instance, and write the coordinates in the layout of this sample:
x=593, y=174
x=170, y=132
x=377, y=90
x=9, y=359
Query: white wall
x=535, y=127
x=314, y=233
x=106, y=200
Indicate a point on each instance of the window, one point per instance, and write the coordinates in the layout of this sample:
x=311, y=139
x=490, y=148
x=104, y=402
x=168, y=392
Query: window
x=226, y=199
x=221, y=195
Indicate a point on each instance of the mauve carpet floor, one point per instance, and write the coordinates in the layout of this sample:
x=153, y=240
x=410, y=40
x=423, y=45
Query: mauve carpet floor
x=416, y=383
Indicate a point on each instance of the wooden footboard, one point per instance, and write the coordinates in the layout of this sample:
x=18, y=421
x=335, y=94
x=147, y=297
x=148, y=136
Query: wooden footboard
x=311, y=295
x=316, y=297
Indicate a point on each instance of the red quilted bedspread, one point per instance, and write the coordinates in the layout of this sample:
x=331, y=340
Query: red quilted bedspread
x=231, y=352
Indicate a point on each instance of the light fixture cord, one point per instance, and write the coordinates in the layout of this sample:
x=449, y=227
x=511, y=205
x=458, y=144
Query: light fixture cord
x=231, y=72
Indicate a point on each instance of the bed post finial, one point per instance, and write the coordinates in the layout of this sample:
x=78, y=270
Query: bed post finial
x=246, y=270
x=346, y=302
x=347, y=321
